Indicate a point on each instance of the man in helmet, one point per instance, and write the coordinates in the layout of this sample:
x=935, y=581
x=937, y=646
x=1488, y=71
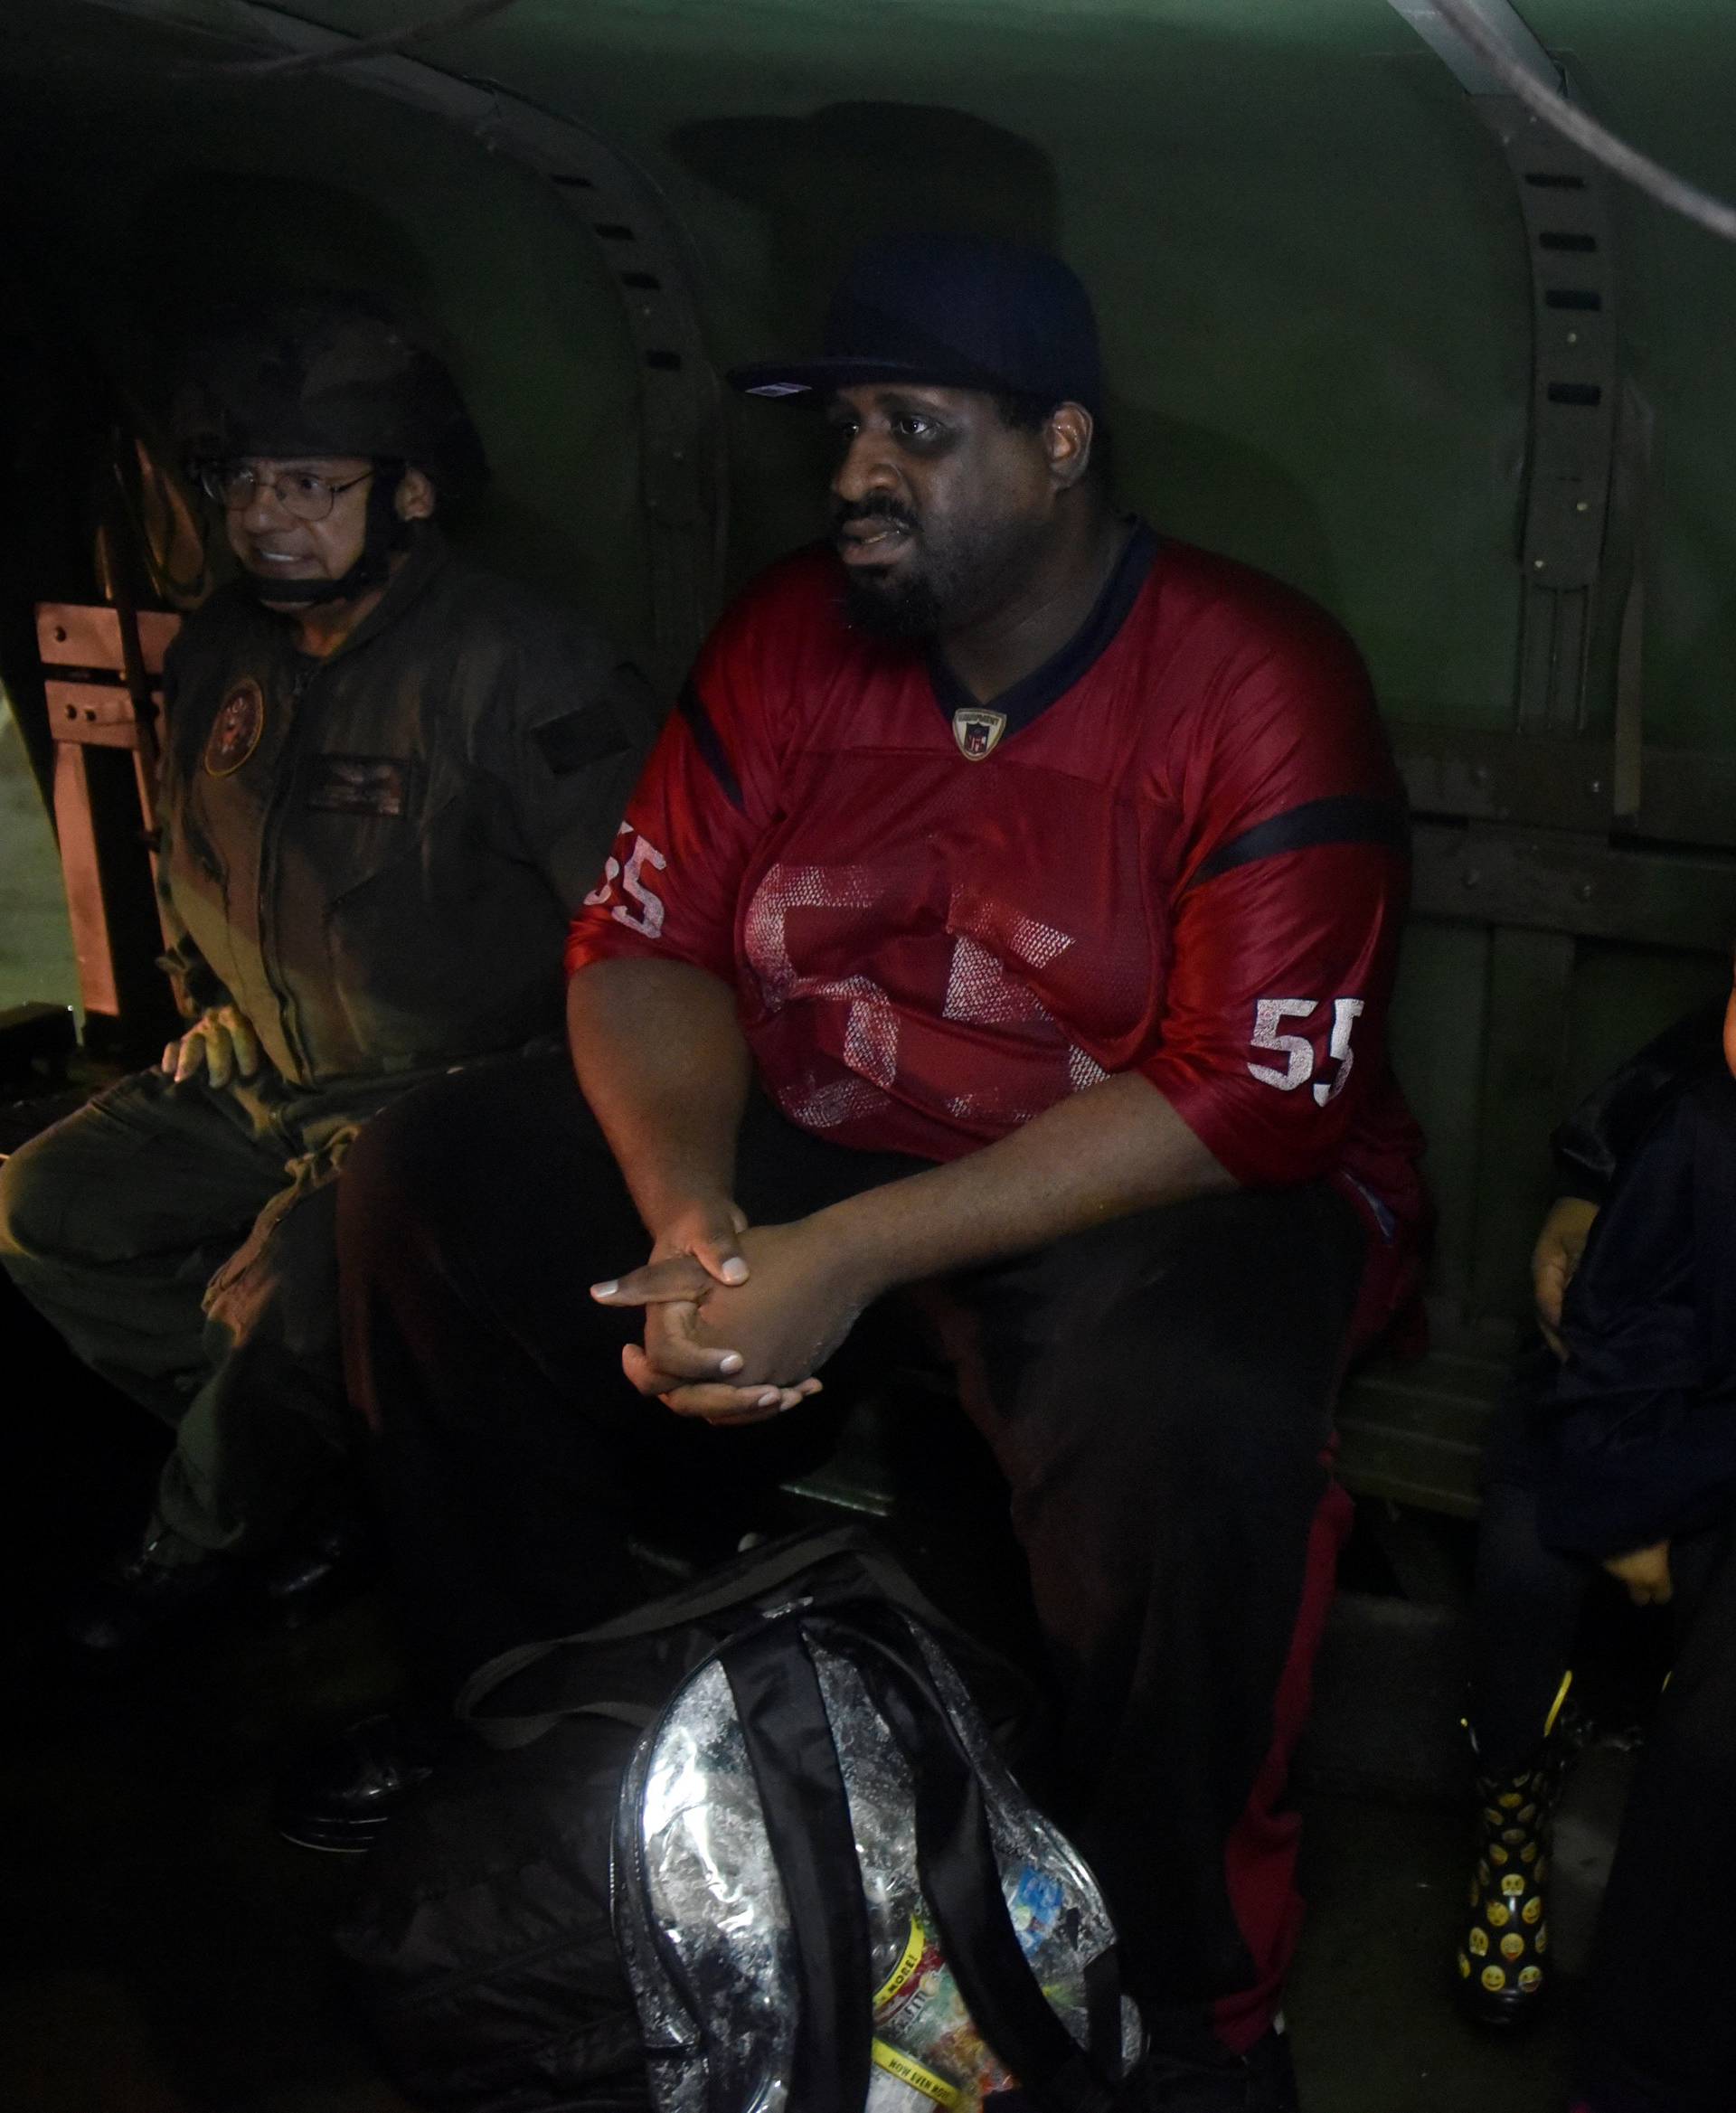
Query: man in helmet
x=389, y=778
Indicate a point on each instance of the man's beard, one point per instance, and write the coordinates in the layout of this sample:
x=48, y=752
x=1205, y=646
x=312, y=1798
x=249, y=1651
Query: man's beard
x=873, y=603
x=956, y=577
x=911, y=609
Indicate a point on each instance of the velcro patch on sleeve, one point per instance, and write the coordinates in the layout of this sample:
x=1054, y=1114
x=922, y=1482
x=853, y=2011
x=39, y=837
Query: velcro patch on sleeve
x=359, y=785
x=579, y=738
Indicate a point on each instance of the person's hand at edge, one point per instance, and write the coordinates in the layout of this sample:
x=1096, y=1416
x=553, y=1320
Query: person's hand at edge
x=1560, y=1245
x=1646, y=1572
x=220, y=1042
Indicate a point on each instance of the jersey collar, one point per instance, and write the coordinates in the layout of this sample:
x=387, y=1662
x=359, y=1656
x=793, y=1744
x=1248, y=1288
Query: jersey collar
x=1032, y=694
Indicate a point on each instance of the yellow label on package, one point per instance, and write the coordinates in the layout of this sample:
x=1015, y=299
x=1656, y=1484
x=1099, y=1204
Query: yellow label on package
x=921, y=2079
x=906, y=1966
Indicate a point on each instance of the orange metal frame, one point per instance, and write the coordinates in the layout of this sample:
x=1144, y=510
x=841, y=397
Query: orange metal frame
x=103, y=678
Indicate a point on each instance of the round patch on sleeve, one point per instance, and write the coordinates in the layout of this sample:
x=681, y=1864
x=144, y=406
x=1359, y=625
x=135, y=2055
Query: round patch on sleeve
x=236, y=729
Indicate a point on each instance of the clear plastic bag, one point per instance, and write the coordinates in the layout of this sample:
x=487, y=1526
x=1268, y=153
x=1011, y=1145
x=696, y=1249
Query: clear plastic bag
x=706, y=1937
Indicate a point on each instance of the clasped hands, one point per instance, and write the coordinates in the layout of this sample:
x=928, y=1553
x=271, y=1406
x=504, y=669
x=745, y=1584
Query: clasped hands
x=738, y=1318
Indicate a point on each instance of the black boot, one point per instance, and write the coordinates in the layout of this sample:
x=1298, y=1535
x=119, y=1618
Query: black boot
x=1502, y=1951
x=326, y=1561
x=1262, y=2081
x=158, y=1581
x=340, y=1795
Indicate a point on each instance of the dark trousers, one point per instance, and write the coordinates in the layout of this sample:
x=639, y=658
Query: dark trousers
x=1659, y=2025
x=181, y=1239
x=1156, y=1392
x=1526, y=1616
x=1658, y=2019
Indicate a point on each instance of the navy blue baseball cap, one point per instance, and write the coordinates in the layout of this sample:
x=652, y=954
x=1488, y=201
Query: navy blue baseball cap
x=958, y=311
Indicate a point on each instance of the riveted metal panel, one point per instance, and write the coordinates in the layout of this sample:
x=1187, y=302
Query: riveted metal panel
x=1575, y=886
x=88, y=636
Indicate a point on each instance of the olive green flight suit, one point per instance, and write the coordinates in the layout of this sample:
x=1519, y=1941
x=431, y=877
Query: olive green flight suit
x=374, y=857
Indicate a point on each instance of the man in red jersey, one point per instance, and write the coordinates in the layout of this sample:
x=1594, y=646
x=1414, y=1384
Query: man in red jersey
x=1004, y=927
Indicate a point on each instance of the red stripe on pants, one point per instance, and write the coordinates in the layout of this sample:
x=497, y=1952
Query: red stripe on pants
x=1261, y=1852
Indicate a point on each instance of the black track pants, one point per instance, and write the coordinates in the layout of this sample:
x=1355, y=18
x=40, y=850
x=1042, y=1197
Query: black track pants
x=1156, y=1392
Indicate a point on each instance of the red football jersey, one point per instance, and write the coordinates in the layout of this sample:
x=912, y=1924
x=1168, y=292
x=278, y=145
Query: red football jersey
x=1179, y=847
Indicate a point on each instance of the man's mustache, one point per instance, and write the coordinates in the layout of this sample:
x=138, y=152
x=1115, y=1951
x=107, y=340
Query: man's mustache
x=880, y=507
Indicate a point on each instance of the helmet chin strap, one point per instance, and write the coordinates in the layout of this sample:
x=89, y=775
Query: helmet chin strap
x=384, y=536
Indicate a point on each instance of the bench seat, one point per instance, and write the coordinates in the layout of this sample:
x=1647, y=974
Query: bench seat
x=1412, y=1431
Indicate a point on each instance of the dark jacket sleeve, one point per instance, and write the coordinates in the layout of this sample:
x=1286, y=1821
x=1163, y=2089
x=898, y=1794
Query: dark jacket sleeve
x=565, y=737
x=1637, y=1428
x=1608, y=1124
x=196, y=986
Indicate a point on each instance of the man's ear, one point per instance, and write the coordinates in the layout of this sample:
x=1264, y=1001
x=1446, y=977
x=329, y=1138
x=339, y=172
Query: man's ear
x=414, y=498
x=1067, y=434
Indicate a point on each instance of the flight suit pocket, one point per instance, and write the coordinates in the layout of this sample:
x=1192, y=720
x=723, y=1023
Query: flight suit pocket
x=360, y=784
x=381, y=848
x=399, y=915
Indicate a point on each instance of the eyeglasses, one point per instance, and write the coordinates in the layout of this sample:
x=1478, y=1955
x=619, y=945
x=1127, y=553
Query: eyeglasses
x=303, y=494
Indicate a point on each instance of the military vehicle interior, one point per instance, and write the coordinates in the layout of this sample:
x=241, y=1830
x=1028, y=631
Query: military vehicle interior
x=1370, y=325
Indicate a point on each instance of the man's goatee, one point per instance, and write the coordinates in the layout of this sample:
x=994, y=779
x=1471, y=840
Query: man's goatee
x=910, y=610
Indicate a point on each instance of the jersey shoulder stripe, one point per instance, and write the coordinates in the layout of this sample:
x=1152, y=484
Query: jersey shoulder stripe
x=1340, y=819
x=691, y=707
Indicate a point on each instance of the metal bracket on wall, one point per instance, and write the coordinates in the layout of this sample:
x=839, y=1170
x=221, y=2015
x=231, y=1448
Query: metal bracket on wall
x=1563, y=200
x=1585, y=887
x=103, y=671
x=1575, y=374
x=682, y=472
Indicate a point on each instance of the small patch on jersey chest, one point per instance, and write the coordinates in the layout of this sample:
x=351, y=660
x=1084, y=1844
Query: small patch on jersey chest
x=977, y=731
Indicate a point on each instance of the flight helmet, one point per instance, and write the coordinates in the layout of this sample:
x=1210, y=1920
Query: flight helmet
x=330, y=374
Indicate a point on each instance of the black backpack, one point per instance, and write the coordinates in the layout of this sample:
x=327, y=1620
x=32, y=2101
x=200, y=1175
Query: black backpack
x=481, y=1945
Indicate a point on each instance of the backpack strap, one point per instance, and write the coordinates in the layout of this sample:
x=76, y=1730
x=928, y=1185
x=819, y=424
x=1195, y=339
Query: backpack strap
x=740, y=1582
x=961, y=1878
x=806, y=1810
x=505, y=1734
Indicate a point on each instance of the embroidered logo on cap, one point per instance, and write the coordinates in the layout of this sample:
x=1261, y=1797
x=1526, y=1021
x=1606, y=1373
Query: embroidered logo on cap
x=977, y=731
x=235, y=732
